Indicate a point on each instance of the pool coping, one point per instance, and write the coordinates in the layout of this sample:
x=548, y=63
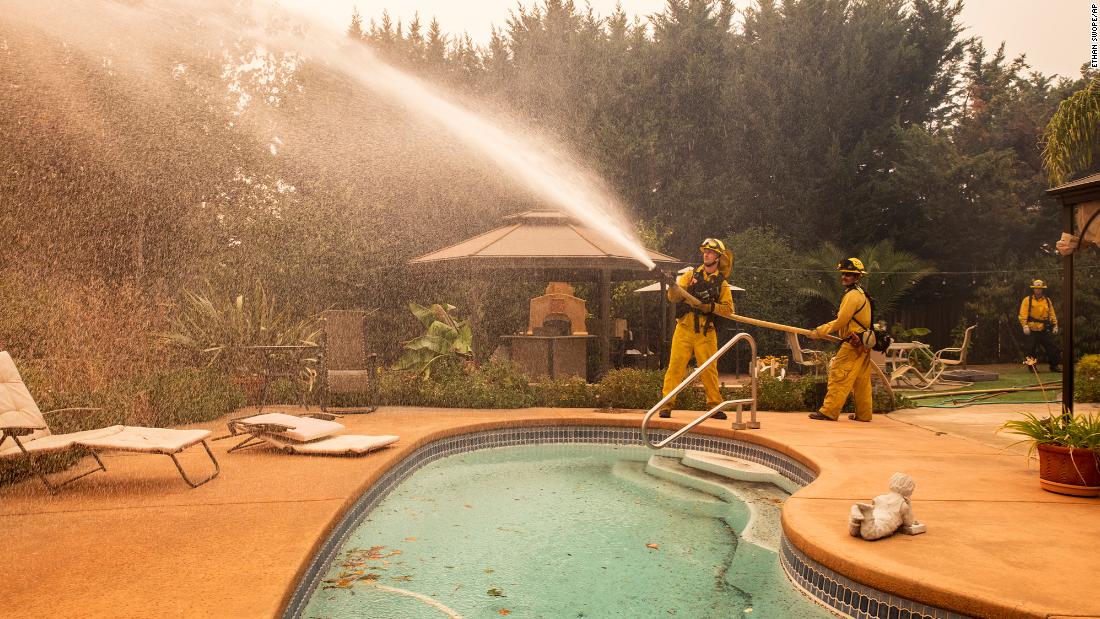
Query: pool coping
x=997, y=545
x=823, y=585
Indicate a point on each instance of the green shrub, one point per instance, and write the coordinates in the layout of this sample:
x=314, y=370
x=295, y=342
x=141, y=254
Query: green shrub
x=630, y=388
x=494, y=384
x=1086, y=386
x=814, y=389
x=567, y=392
x=399, y=387
x=774, y=394
x=880, y=402
x=191, y=395
x=641, y=389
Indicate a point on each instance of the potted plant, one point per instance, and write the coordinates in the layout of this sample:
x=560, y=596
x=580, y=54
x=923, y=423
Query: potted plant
x=1068, y=447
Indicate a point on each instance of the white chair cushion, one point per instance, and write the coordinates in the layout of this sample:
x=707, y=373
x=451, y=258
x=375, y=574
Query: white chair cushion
x=338, y=445
x=57, y=442
x=301, y=428
x=17, y=407
x=147, y=440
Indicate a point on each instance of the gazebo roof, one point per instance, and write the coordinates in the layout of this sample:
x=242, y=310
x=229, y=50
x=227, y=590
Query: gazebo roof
x=547, y=241
x=1081, y=190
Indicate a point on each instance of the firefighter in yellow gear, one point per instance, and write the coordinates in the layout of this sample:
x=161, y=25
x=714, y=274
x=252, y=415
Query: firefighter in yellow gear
x=695, y=333
x=850, y=371
x=1040, y=324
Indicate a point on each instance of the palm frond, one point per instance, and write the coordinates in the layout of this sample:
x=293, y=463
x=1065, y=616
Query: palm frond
x=1071, y=135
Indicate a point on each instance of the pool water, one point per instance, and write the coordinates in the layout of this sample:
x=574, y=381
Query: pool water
x=552, y=531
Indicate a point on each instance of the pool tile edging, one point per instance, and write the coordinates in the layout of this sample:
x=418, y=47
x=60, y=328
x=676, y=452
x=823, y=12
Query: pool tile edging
x=819, y=582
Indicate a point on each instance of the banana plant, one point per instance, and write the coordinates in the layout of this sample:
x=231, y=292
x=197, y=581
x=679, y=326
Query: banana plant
x=444, y=339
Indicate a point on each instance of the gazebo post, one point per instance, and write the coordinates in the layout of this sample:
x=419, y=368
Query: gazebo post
x=1067, y=315
x=475, y=313
x=1070, y=195
x=661, y=354
x=605, y=322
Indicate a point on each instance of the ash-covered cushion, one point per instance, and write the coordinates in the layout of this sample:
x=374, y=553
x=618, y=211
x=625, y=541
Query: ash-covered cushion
x=17, y=407
x=147, y=440
x=300, y=428
x=349, y=444
x=56, y=442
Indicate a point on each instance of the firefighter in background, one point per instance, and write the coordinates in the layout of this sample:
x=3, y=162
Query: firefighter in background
x=850, y=371
x=695, y=332
x=1040, y=324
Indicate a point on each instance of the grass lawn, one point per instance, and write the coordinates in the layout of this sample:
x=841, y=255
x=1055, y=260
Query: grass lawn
x=1009, y=376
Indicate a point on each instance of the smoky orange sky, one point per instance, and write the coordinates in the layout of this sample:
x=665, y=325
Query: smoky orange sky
x=1053, y=33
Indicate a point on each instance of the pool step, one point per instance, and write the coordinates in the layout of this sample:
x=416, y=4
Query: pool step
x=678, y=496
x=754, y=506
x=737, y=468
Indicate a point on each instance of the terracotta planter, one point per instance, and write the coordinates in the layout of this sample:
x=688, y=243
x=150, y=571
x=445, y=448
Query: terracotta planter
x=1074, y=472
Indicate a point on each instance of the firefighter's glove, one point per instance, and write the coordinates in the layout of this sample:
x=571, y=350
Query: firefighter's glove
x=1027, y=331
x=1054, y=330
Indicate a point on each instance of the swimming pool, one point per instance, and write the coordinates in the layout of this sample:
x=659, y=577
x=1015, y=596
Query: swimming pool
x=562, y=530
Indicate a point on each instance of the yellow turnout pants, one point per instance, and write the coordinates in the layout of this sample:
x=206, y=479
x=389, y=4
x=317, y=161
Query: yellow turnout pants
x=686, y=343
x=849, y=373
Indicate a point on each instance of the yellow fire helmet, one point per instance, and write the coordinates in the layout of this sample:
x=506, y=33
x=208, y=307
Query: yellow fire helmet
x=1038, y=284
x=725, y=256
x=851, y=265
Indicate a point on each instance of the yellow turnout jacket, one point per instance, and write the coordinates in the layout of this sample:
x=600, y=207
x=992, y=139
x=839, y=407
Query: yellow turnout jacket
x=1035, y=313
x=724, y=306
x=854, y=306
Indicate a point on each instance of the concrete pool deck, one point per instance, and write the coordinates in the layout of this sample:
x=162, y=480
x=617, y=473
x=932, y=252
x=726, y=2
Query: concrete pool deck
x=137, y=542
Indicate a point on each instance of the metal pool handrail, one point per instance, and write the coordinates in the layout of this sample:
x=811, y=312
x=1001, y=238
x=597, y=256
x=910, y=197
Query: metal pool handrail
x=687, y=381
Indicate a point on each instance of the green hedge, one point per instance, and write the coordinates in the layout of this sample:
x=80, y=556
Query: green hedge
x=191, y=395
x=495, y=384
x=502, y=385
x=568, y=392
x=1086, y=385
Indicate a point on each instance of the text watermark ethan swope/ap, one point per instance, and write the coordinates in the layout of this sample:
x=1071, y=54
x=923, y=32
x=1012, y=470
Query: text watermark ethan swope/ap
x=1094, y=62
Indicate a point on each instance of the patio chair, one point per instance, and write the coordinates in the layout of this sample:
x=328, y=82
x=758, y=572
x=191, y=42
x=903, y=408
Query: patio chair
x=306, y=434
x=346, y=366
x=941, y=361
x=23, y=422
x=816, y=360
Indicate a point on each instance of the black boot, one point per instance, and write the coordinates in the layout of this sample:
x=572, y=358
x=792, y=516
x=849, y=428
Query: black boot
x=665, y=414
x=718, y=415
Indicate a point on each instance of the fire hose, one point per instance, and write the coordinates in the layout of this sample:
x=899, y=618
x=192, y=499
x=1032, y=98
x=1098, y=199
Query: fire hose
x=690, y=299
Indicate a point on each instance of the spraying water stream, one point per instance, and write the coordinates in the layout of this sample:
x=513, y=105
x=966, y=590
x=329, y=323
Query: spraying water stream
x=548, y=170
x=544, y=168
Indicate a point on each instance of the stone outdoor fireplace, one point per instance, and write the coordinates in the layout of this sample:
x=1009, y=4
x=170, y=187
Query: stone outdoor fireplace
x=555, y=343
x=557, y=312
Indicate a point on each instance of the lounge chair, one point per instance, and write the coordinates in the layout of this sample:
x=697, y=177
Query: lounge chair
x=816, y=360
x=311, y=434
x=23, y=422
x=913, y=377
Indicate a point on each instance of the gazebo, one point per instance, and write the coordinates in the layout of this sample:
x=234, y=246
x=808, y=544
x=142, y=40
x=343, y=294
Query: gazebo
x=550, y=245
x=1080, y=200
